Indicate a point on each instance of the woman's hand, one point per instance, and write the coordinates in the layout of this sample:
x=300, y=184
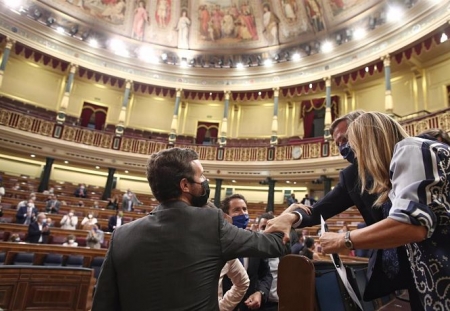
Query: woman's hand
x=295, y=206
x=332, y=242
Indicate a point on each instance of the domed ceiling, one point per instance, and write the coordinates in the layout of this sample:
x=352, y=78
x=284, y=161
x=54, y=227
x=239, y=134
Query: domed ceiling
x=299, y=39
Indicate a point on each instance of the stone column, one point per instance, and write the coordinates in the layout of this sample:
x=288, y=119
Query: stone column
x=274, y=137
x=388, y=103
x=109, y=183
x=174, y=125
x=5, y=58
x=224, y=127
x=61, y=117
x=123, y=112
x=326, y=131
x=271, y=195
x=218, y=191
x=45, y=179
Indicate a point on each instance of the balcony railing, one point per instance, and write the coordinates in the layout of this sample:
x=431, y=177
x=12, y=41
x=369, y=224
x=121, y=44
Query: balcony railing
x=309, y=149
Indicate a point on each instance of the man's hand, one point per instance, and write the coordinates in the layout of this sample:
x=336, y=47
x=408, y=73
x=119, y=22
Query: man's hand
x=282, y=223
x=332, y=242
x=295, y=206
x=254, y=301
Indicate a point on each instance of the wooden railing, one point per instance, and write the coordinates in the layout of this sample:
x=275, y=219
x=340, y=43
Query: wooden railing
x=311, y=149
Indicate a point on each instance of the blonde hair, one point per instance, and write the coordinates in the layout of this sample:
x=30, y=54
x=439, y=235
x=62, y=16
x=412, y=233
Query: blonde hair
x=373, y=137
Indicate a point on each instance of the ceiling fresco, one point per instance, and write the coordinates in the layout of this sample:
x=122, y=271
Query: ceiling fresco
x=214, y=24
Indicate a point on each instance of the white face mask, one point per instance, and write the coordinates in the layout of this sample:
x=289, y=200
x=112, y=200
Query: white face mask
x=89, y=216
x=70, y=241
x=70, y=214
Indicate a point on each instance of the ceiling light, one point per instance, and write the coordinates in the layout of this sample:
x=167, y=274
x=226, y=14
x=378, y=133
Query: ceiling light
x=183, y=62
x=146, y=54
x=394, y=14
x=97, y=167
x=327, y=46
x=13, y=4
x=210, y=93
x=59, y=29
x=33, y=155
x=444, y=38
x=164, y=56
x=310, y=85
x=288, y=182
x=268, y=62
x=66, y=162
x=259, y=93
x=126, y=172
x=295, y=182
x=296, y=57
x=93, y=42
x=233, y=180
x=359, y=33
x=239, y=65
x=366, y=69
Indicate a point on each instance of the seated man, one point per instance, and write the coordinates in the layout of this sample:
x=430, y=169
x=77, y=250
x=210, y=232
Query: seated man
x=95, y=237
x=53, y=205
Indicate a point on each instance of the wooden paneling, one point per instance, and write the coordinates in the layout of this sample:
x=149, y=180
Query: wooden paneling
x=44, y=288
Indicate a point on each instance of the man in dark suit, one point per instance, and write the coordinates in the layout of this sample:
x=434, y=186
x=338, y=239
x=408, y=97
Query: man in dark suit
x=148, y=267
x=81, y=191
x=345, y=194
x=26, y=213
x=115, y=221
x=52, y=205
x=307, y=201
x=38, y=231
x=258, y=269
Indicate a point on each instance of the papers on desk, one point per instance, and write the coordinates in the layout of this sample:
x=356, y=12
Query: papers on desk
x=341, y=269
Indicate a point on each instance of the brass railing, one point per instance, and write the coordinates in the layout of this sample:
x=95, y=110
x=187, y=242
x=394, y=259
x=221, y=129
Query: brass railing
x=310, y=149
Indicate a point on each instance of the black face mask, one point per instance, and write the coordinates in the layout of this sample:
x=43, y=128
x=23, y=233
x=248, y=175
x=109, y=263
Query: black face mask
x=347, y=152
x=200, y=201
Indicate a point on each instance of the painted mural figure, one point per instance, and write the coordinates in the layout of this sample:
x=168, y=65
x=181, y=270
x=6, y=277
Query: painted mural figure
x=140, y=18
x=216, y=18
x=247, y=29
x=204, y=18
x=162, y=13
x=314, y=14
x=183, y=30
x=270, y=22
x=114, y=11
x=290, y=9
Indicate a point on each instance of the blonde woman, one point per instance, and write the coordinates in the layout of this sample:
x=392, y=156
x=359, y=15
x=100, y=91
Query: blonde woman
x=413, y=173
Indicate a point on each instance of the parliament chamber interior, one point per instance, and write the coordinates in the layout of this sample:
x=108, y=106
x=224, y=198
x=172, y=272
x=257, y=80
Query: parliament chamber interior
x=89, y=89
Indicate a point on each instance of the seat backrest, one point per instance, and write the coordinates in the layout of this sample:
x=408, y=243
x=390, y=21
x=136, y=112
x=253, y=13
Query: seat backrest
x=96, y=265
x=296, y=283
x=53, y=260
x=23, y=259
x=2, y=258
x=58, y=239
x=75, y=261
x=4, y=235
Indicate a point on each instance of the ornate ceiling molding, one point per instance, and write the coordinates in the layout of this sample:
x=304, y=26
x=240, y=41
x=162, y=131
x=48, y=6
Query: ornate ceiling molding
x=420, y=20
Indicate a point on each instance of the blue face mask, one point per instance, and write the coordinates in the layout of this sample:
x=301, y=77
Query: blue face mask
x=241, y=221
x=347, y=152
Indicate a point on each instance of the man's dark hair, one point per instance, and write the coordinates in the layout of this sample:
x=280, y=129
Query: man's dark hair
x=349, y=118
x=309, y=242
x=165, y=170
x=265, y=216
x=225, y=203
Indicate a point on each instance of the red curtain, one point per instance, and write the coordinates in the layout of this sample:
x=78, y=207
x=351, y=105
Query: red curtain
x=206, y=132
x=98, y=114
x=307, y=112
